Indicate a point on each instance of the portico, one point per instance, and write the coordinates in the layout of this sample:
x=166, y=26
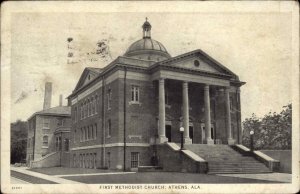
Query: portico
x=204, y=99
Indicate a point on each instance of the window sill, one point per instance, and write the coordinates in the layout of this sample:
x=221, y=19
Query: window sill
x=46, y=147
x=134, y=102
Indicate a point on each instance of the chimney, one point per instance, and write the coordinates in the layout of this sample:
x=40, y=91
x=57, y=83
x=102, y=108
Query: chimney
x=48, y=95
x=60, y=100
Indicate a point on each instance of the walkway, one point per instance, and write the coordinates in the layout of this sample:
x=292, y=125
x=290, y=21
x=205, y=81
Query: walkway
x=280, y=177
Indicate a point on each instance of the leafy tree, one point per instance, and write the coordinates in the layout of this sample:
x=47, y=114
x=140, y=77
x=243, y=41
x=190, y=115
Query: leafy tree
x=273, y=131
x=18, y=141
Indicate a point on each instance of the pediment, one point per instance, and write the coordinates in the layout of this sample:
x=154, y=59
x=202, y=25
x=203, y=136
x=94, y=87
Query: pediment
x=87, y=76
x=198, y=60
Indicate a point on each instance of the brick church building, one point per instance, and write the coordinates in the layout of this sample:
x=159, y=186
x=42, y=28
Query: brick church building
x=121, y=112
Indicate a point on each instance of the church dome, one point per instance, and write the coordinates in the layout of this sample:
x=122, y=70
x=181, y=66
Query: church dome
x=147, y=48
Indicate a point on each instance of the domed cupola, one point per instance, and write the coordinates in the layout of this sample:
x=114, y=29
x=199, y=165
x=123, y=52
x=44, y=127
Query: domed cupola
x=147, y=48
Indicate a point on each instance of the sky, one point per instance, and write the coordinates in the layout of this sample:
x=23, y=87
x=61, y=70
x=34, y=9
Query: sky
x=256, y=46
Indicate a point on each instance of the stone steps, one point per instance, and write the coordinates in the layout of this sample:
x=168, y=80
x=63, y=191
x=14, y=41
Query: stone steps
x=224, y=159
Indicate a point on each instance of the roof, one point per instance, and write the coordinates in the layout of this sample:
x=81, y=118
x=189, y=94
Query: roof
x=146, y=44
x=58, y=111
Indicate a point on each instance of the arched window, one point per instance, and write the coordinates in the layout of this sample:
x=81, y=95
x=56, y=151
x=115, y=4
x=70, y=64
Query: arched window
x=45, y=140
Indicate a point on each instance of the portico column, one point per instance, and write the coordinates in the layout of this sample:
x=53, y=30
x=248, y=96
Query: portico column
x=207, y=115
x=162, y=114
x=228, y=118
x=185, y=104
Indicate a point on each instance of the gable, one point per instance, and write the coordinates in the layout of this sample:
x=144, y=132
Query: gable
x=196, y=63
x=87, y=76
x=204, y=63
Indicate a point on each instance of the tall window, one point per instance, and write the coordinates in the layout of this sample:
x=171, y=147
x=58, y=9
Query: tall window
x=66, y=145
x=82, y=114
x=109, y=99
x=86, y=134
x=96, y=103
x=81, y=135
x=46, y=123
x=95, y=131
x=231, y=103
x=167, y=96
x=95, y=160
x=93, y=105
x=75, y=114
x=134, y=125
x=45, y=140
x=108, y=128
x=134, y=159
x=89, y=108
x=108, y=159
x=85, y=110
x=74, y=160
x=135, y=93
x=92, y=132
x=89, y=134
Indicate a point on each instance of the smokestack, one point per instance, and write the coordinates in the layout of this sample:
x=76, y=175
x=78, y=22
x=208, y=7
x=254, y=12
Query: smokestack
x=48, y=95
x=60, y=100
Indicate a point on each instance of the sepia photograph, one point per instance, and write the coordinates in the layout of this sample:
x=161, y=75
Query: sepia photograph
x=150, y=97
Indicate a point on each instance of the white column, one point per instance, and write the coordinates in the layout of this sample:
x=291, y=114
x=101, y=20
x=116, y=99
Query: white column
x=228, y=118
x=208, y=139
x=162, y=114
x=185, y=108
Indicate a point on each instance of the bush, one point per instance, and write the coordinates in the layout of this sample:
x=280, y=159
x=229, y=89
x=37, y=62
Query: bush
x=273, y=131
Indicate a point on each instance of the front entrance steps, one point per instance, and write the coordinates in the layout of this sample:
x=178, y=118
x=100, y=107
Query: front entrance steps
x=223, y=159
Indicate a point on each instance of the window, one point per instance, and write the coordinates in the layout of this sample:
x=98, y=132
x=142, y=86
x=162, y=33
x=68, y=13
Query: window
x=92, y=132
x=74, y=135
x=93, y=106
x=95, y=131
x=231, y=103
x=109, y=99
x=46, y=130
x=46, y=123
x=59, y=144
x=108, y=159
x=167, y=97
x=75, y=114
x=81, y=116
x=95, y=160
x=60, y=122
x=134, y=125
x=81, y=135
x=45, y=140
x=196, y=63
x=108, y=128
x=134, y=159
x=28, y=143
x=96, y=104
x=89, y=134
x=85, y=134
x=66, y=145
x=135, y=93
x=85, y=110
x=88, y=108
x=74, y=160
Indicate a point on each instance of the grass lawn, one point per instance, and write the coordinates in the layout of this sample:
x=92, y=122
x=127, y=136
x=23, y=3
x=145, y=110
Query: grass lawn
x=64, y=170
x=161, y=177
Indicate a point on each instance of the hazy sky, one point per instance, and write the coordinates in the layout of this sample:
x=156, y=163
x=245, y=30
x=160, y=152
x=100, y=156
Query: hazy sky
x=255, y=46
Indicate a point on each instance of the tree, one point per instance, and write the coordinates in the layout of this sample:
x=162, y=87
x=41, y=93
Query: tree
x=273, y=131
x=18, y=141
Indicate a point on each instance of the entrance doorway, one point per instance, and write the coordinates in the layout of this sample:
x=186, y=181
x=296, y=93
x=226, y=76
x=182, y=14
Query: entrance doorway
x=168, y=132
x=191, y=133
